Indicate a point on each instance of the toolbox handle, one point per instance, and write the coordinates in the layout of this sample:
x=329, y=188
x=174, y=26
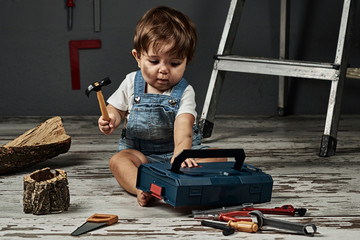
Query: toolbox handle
x=238, y=154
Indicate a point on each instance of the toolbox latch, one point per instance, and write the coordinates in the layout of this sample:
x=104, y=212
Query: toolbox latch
x=156, y=191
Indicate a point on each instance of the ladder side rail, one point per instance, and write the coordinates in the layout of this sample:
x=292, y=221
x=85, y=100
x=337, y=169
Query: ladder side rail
x=231, y=27
x=217, y=77
x=284, y=54
x=329, y=141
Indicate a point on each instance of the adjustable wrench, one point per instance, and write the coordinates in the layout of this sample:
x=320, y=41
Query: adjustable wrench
x=281, y=224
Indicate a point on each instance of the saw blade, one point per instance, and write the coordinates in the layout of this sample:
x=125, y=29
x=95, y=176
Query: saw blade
x=87, y=227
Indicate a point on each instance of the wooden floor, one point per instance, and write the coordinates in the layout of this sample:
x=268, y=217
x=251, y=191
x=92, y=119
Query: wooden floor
x=285, y=147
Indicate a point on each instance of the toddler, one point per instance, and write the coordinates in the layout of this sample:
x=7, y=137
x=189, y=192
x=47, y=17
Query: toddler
x=156, y=102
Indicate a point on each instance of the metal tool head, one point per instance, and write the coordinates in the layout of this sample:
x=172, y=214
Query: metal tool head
x=259, y=216
x=96, y=86
x=87, y=227
x=300, y=211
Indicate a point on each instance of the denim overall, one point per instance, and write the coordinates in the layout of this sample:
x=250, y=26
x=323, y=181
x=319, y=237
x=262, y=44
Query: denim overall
x=150, y=128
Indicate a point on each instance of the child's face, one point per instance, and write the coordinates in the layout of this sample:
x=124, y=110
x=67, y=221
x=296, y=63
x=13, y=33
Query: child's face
x=160, y=70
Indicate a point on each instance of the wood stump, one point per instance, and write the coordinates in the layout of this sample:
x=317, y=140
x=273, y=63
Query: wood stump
x=46, y=192
x=45, y=141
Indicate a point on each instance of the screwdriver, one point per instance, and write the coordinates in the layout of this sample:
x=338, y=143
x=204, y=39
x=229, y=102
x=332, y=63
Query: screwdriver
x=227, y=230
x=70, y=4
x=241, y=226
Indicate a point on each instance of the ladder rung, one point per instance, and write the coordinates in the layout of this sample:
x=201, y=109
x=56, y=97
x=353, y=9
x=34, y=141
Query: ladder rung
x=287, y=68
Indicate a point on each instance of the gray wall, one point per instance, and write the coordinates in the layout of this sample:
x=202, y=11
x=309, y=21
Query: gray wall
x=35, y=68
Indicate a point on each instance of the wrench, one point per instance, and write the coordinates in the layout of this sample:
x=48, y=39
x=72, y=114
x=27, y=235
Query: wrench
x=281, y=224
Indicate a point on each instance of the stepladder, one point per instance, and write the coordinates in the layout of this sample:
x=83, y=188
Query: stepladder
x=335, y=72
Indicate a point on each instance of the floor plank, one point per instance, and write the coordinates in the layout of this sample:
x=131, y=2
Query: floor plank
x=285, y=147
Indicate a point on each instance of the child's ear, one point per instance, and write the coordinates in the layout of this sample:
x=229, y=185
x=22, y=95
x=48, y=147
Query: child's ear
x=136, y=56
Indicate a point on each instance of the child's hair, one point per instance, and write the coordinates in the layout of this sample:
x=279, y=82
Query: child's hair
x=166, y=25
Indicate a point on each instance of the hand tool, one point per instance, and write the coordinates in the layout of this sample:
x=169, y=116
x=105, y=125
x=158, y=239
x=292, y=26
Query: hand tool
x=96, y=86
x=74, y=46
x=243, y=226
x=97, y=14
x=226, y=216
x=244, y=211
x=283, y=210
x=240, y=226
x=200, y=213
x=70, y=5
x=227, y=230
x=281, y=224
x=94, y=222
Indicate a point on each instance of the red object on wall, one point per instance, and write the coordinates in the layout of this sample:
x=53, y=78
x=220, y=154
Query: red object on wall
x=74, y=46
x=70, y=3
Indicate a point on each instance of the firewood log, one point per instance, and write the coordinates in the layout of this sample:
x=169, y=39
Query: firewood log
x=43, y=142
x=46, y=192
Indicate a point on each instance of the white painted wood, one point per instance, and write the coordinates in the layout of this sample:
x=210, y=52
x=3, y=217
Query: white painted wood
x=285, y=147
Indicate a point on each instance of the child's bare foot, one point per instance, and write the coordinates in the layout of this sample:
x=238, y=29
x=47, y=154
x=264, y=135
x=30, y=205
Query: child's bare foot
x=143, y=198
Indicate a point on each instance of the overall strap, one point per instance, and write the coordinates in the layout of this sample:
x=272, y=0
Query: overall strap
x=178, y=89
x=139, y=85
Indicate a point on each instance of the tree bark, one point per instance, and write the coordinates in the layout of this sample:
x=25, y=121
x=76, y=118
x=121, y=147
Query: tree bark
x=43, y=142
x=46, y=192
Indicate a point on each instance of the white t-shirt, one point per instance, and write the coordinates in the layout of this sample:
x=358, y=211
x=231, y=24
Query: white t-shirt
x=123, y=97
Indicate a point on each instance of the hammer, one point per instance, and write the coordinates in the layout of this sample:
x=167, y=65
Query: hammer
x=96, y=86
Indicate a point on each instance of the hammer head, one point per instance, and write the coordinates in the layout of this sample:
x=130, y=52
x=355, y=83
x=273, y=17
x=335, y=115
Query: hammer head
x=96, y=86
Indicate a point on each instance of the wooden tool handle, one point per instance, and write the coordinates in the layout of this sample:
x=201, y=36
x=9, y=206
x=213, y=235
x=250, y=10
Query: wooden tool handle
x=244, y=226
x=99, y=218
x=102, y=104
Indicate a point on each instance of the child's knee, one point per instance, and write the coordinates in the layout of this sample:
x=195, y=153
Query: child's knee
x=114, y=161
x=126, y=157
x=111, y=163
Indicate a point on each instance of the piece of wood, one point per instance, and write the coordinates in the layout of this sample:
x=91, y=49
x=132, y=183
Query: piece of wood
x=45, y=141
x=46, y=192
x=353, y=73
x=102, y=104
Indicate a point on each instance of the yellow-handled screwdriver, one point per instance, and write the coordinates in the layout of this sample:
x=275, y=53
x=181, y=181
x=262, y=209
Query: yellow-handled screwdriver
x=243, y=226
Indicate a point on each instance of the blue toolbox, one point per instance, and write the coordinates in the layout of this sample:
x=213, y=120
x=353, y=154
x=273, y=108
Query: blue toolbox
x=209, y=184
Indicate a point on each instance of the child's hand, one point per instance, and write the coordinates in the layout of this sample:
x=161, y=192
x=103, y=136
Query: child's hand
x=189, y=162
x=106, y=127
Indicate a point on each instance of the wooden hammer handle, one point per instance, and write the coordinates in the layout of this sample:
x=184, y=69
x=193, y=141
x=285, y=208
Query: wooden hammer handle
x=103, y=109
